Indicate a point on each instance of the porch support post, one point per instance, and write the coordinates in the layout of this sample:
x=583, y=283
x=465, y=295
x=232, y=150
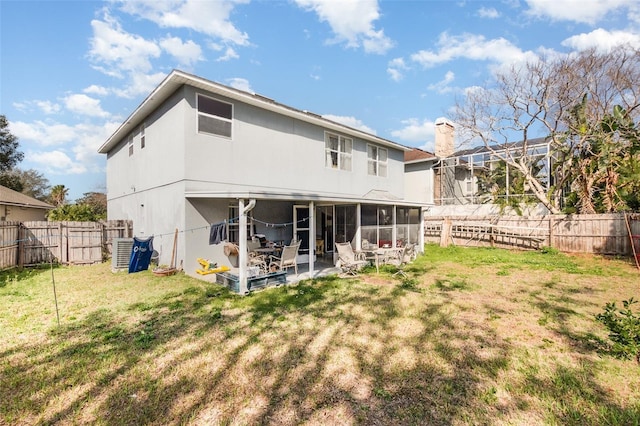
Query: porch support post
x=312, y=239
x=242, y=248
x=394, y=230
x=423, y=210
x=358, y=236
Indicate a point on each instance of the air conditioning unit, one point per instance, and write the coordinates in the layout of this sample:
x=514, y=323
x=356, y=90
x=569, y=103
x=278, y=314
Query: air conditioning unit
x=121, y=253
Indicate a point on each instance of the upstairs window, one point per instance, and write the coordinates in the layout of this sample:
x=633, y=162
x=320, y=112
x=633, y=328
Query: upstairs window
x=142, y=138
x=377, y=161
x=214, y=117
x=130, y=143
x=338, y=151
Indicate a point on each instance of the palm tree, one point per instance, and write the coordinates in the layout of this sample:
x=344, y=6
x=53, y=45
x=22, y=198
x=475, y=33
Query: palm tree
x=58, y=195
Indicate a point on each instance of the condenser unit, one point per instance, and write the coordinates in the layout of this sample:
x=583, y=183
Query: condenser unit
x=121, y=253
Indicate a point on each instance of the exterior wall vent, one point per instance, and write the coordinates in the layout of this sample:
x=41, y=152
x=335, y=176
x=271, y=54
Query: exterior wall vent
x=121, y=253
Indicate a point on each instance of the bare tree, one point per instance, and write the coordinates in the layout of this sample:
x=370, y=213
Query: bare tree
x=541, y=98
x=30, y=182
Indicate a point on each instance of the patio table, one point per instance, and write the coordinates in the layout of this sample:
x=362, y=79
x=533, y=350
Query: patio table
x=378, y=255
x=268, y=250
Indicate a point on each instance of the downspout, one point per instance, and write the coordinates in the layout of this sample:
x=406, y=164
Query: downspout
x=242, y=244
x=250, y=206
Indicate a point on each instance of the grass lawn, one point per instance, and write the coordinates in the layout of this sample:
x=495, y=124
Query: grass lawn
x=474, y=336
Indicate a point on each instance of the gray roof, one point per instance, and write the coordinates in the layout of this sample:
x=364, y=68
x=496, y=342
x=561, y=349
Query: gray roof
x=178, y=78
x=15, y=198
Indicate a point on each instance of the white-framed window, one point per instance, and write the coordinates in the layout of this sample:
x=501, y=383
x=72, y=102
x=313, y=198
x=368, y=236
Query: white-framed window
x=214, y=117
x=338, y=151
x=130, y=143
x=469, y=185
x=377, y=159
x=142, y=137
x=233, y=225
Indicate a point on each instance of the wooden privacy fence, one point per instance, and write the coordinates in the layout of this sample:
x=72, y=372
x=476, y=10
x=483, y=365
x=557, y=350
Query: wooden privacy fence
x=606, y=234
x=69, y=243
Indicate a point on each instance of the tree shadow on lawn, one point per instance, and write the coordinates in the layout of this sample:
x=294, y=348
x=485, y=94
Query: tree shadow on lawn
x=323, y=351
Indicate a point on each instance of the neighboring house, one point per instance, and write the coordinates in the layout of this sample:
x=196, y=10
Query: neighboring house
x=17, y=207
x=458, y=175
x=196, y=154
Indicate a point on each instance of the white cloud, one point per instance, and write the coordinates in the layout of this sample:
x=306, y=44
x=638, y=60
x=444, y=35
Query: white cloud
x=395, y=68
x=470, y=46
x=240, y=84
x=229, y=54
x=115, y=51
x=602, y=40
x=88, y=139
x=488, y=12
x=84, y=105
x=443, y=85
x=56, y=162
x=96, y=90
x=351, y=22
x=207, y=17
x=576, y=10
x=82, y=140
x=415, y=130
x=187, y=53
x=42, y=133
x=140, y=84
x=46, y=107
x=350, y=121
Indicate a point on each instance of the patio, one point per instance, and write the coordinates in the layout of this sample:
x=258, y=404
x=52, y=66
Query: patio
x=323, y=267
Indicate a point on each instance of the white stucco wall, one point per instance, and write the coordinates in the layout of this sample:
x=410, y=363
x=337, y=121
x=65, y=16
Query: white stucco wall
x=419, y=181
x=271, y=152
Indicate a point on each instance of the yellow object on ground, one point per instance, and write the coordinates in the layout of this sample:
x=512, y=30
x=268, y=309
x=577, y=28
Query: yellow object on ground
x=210, y=268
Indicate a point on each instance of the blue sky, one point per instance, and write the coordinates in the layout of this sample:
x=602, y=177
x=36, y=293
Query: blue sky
x=72, y=71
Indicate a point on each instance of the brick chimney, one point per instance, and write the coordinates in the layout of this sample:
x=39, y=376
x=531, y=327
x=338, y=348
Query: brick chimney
x=444, y=138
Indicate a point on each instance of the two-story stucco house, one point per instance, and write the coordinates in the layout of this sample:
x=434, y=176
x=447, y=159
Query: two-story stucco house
x=196, y=154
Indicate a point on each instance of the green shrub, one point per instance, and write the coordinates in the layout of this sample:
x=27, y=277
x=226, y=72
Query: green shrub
x=624, y=329
x=549, y=250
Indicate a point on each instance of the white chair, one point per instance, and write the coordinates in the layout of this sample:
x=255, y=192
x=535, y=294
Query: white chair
x=288, y=258
x=410, y=254
x=349, y=261
x=398, y=258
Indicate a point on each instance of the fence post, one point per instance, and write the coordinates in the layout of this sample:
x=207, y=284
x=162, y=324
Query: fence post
x=20, y=254
x=60, y=259
x=491, y=236
x=550, y=230
x=445, y=232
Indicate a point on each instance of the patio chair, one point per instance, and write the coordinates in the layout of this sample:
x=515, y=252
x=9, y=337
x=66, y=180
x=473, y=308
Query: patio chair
x=288, y=258
x=410, y=254
x=349, y=261
x=399, y=258
x=256, y=259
